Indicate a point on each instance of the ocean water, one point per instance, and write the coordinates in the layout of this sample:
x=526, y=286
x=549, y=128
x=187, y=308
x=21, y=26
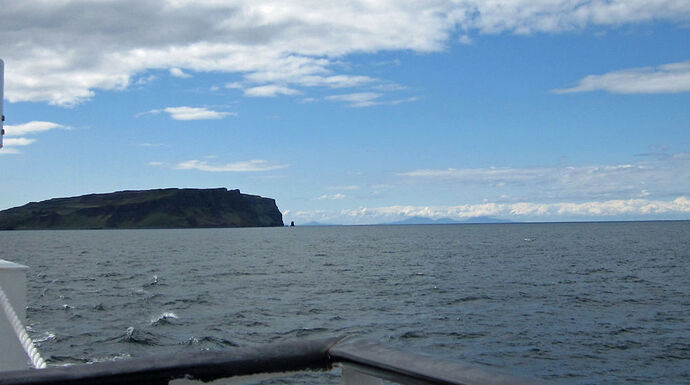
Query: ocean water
x=574, y=303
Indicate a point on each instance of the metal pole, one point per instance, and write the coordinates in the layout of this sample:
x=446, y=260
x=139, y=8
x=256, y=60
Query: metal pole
x=12, y=315
x=2, y=98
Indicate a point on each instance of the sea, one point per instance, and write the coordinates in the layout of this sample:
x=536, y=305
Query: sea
x=569, y=303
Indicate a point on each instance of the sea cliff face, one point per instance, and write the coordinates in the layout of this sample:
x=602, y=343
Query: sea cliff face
x=162, y=208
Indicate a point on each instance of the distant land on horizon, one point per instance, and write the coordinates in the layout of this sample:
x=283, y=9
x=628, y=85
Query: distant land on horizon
x=314, y=223
x=478, y=220
x=426, y=221
x=446, y=221
x=146, y=209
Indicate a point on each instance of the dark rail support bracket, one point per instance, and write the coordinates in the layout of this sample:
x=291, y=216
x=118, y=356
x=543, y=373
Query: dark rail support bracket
x=364, y=357
x=203, y=366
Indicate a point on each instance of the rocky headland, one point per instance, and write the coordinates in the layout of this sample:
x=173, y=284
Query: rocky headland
x=146, y=209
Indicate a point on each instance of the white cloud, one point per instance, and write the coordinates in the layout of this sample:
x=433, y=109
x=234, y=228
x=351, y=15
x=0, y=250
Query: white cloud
x=29, y=128
x=519, y=211
x=483, y=175
x=9, y=145
x=144, y=80
x=332, y=197
x=399, y=101
x=529, y=16
x=62, y=52
x=192, y=113
x=245, y=166
x=607, y=208
x=13, y=142
x=348, y=187
x=234, y=85
x=269, y=91
x=389, y=87
x=466, y=40
x=360, y=99
x=663, y=176
x=15, y=134
x=367, y=99
x=667, y=78
x=178, y=73
x=334, y=81
x=195, y=113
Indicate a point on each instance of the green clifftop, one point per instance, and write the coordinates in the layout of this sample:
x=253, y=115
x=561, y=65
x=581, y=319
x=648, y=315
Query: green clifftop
x=162, y=208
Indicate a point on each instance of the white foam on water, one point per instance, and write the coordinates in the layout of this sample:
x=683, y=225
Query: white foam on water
x=163, y=317
x=43, y=337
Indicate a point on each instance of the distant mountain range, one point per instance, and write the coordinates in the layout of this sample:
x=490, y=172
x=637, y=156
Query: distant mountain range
x=162, y=208
x=445, y=221
x=426, y=221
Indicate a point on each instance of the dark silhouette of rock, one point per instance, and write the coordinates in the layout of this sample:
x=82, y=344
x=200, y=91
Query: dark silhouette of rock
x=162, y=208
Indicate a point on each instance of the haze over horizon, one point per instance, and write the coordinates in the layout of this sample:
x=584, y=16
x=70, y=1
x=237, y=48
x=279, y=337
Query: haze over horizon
x=356, y=112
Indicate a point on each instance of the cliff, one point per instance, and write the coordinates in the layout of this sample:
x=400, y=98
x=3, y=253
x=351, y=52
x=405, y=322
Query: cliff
x=163, y=208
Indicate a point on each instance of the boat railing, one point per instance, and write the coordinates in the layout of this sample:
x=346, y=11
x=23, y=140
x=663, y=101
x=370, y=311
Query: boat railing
x=15, y=344
x=362, y=362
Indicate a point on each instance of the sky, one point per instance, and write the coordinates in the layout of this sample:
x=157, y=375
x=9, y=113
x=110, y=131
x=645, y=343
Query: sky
x=355, y=112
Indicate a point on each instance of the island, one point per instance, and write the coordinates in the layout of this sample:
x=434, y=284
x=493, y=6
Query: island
x=146, y=209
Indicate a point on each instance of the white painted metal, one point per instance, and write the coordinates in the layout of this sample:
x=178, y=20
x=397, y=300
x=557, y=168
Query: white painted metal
x=2, y=98
x=13, y=282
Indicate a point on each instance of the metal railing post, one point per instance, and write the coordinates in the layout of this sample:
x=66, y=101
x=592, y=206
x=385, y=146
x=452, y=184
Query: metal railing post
x=2, y=96
x=13, y=282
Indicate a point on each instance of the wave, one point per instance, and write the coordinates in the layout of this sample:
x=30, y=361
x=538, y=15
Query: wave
x=43, y=337
x=210, y=340
x=304, y=332
x=184, y=303
x=462, y=335
x=135, y=336
x=115, y=357
x=154, y=282
x=413, y=334
x=58, y=360
x=164, y=319
x=469, y=298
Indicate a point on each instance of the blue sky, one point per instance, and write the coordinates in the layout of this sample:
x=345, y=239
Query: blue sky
x=356, y=112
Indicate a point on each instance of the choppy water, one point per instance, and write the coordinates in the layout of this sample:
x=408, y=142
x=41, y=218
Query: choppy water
x=587, y=303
